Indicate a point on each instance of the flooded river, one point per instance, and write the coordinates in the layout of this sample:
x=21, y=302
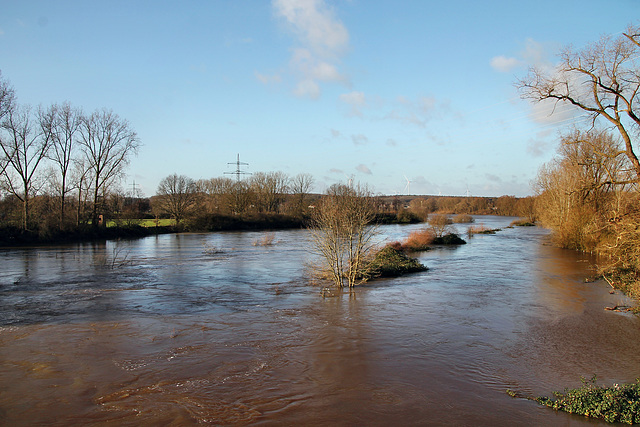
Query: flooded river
x=210, y=329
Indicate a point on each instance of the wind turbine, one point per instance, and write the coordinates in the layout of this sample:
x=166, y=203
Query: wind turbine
x=408, y=186
x=349, y=180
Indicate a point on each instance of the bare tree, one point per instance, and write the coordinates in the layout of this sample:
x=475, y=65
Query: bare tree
x=269, y=190
x=576, y=190
x=64, y=123
x=24, y=146
x=602, y=80
x=343, y=234
x=300, y=187
x=107, y=142
x=177, y=195
x=7, y=102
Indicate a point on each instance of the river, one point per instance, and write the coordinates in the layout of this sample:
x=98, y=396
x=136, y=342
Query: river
x=211, y=329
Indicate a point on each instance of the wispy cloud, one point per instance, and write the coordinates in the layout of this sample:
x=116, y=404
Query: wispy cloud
x=322, y=39
x=268, y=79
x=364, y=169
x=356, y=101
x=415, y=112
x=359, y=139
x=504, y=64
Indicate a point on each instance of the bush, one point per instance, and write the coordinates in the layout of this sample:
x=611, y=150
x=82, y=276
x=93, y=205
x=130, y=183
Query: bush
x=618, y=403
x=407, y=217
x=481, y=229
x=463, y=219
x=419, y=240
x=392, y=262
x=522, y=222
x=440, y=224
x=449, y=239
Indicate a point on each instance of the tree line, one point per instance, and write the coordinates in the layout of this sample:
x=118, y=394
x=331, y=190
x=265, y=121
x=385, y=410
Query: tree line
x=190, y=202
x=71, y=157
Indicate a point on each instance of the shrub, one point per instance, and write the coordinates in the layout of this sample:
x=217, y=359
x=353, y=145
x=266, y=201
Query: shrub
x=463, y=219
x=481, y=229
x=392, y=262
x=407, y=217
x=267, y=240
x=440, y=224
x=522, y=222
x=449, y=239
x=419, y=240
x=618, y=403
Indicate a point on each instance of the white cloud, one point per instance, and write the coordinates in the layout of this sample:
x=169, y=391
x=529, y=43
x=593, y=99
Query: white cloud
x=504, y=64
x=356, y=100
x=535, y=53
x=307, y=88
x=336, y=133
x=364, y=169
x=315, y=24
x=323, y=40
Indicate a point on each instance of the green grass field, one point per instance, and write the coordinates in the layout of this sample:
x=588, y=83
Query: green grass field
x=165, y=222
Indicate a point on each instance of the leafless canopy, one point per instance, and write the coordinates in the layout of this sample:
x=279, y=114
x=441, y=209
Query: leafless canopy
x=107, y=142
x=603, y=80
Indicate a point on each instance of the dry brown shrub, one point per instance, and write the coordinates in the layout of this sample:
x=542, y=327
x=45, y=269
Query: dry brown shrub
x=481, y=229
x=621, y=249
x=462, y=219
x=267, y=240
x=440, y=225
x=419, y=240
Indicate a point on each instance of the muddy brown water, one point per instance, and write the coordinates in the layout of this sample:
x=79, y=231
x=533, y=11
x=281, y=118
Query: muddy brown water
x=210, y=329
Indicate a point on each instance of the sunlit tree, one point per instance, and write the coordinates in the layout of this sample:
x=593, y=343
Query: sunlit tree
x=107, y=142
x=176, y=196
x=602, y=80
x=343, y=234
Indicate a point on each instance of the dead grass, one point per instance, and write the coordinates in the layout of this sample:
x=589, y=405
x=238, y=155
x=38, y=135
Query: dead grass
x=481, y=229
x=266, y=240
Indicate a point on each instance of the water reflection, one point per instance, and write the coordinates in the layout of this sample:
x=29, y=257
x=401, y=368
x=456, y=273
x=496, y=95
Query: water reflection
x=165, y=330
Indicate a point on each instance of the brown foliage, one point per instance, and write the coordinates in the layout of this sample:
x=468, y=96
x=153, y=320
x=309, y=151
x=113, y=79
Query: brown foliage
x=419, y=240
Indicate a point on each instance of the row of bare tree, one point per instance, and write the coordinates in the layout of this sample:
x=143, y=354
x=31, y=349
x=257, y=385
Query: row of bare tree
x=179, y=196
x=63, y=151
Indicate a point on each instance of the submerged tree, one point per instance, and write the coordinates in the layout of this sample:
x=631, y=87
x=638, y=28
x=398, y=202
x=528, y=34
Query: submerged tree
x=343, y=234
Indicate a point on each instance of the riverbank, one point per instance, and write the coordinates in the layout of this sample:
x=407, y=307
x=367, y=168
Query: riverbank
x=15, y=237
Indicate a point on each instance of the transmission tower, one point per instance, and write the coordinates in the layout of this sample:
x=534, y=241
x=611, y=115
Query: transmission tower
x=238, y=172
x=135, y=189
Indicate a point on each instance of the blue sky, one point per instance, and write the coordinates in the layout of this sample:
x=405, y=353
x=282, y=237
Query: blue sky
x=374, y=90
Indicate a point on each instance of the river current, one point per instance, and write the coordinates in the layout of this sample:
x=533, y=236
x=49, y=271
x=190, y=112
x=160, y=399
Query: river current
x=216, y=329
